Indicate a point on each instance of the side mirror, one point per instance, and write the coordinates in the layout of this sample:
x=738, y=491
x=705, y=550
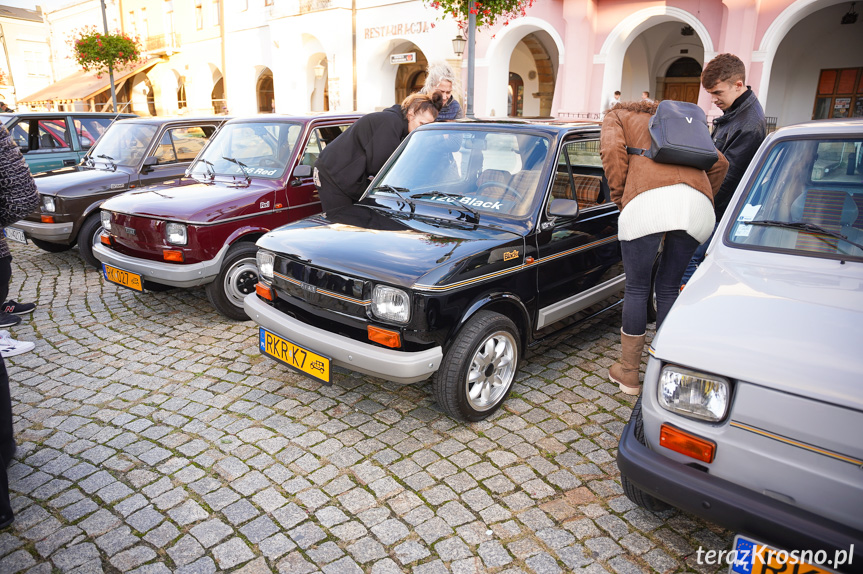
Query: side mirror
x=563, y=208
x=148, y=163
x=303, y=171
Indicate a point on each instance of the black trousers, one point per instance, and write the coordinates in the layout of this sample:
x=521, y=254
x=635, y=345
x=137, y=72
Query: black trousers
x=5, y=277
x=7, y=442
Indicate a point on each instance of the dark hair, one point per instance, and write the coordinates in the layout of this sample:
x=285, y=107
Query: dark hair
x=616, y=92
x=723, y=68
x=421, y=103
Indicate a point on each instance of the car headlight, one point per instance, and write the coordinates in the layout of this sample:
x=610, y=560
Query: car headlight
x=265, y=265
x=106, y=220
x=693, y=394
x=48, y=204
x=391, y=304
x=175, y=233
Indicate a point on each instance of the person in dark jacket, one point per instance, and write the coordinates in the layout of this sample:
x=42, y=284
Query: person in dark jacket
x=18, y=197
x=343, y=169
x=737, y=133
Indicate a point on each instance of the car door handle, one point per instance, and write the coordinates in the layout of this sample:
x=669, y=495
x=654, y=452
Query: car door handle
x=69, y=162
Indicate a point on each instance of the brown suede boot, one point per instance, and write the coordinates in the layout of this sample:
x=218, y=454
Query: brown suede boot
x=625, y=373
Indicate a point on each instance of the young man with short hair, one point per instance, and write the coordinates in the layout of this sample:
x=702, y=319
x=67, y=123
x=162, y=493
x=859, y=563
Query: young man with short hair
x=737, y=133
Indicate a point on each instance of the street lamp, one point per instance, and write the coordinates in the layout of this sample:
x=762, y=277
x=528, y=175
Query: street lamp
x=458, y=44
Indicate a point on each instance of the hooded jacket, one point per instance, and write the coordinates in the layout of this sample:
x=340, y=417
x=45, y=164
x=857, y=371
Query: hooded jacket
x=362, y=150
x=628, y=175
x=738, y=134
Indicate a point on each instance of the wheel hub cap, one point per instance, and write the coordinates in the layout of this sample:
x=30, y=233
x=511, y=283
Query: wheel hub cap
x=491, y=371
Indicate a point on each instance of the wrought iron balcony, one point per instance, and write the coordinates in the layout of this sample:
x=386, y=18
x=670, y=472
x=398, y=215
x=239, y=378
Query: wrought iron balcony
x=162, y=44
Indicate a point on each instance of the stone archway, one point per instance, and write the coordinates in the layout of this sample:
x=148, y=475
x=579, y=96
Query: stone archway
x=264, y=92
x=532, y=64
x=682, y=81
x=410, y=76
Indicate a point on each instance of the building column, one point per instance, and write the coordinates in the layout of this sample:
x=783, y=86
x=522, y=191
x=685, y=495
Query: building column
x=573, y=92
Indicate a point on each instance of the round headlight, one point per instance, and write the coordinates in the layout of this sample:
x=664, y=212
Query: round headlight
x=391, y=304
x=693, y=394
x=48, y=204
x=175, y=233
x=106, y=220
x=265, y=265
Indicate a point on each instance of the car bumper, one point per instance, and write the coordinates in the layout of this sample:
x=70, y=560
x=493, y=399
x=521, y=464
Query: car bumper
x=172, y=274
x=729, y=505
x=50, y=232
x=397, y=366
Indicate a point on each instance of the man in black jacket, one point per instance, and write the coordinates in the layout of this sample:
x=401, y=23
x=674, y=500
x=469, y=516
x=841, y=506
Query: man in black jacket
x=737, y=133
x=343, y=169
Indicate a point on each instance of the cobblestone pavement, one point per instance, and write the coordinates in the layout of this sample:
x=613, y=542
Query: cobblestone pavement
x=153, y=437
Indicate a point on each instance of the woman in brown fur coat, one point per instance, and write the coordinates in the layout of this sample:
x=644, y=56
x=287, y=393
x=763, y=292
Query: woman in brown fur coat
x=655, y=200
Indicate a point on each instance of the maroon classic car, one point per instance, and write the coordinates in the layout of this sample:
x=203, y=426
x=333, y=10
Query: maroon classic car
x=253, y=176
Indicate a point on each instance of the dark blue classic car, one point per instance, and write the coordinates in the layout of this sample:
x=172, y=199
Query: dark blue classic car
x=474, y=242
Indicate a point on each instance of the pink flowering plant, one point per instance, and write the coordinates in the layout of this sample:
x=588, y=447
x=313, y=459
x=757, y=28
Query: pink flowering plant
x=487, y=12
x=96, y=51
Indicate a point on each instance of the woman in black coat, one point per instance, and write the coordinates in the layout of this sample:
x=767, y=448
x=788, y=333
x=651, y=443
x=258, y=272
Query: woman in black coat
x=344, y=167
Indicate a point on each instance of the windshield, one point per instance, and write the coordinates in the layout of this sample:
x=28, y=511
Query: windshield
x=807, y=199
x=493, y=172
x=263, y=149
x=123, y=144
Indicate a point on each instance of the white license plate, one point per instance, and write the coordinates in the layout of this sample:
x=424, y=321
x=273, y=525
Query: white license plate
x=15, y=234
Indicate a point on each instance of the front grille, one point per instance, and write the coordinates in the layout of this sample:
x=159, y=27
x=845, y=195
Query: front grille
x=322, y=288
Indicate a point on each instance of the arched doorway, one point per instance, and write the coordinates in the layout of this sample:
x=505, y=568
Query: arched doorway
x=515, y=97
x=217, y=96
x=682, y=81
x=531, y=66
x=410, y=76
x=141, y=96
x=319, y=101
x=265, y=94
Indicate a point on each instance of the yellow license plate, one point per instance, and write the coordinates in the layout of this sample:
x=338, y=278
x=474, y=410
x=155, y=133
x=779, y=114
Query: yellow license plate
x=124, y=278
x=307, y=362
x=753, y=557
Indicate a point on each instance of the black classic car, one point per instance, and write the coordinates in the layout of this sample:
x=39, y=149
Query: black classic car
x=132, y=153
x=474, y=242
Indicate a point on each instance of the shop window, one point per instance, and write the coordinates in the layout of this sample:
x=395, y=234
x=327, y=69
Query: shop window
x=839, y=94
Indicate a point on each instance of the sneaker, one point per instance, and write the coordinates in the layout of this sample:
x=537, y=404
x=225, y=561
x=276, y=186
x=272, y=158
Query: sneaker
x=9, y=320
x=17, y=308
x=9, y=347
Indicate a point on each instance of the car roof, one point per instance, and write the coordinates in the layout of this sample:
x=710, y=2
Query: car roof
x=64, y=114
x=838, y=127
x=551, y=126
x=159, y=120
x=299, y=118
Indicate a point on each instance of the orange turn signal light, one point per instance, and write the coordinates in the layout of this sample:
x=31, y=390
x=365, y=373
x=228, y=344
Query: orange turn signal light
x=264, y=291
x=172, y=255
x=686, y=443
x=47, y=219
x=385, y=337
x=105, y=239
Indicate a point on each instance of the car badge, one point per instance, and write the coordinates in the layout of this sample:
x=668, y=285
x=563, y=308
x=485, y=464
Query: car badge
x=507, y=255
x=308, y=288
x=130, y=230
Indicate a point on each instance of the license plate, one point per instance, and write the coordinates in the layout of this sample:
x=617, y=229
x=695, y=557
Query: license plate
x=305, y=361
x=15, y=235
x=124, y=278
x=753, y=557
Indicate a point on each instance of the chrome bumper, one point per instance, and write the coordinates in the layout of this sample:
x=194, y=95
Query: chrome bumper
x=397, y=366
x=175, y=275
x=50, y=232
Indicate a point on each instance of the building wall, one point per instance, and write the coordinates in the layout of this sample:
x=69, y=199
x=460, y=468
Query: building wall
x=25, y=57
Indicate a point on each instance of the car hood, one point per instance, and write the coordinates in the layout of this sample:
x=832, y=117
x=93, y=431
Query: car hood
x=411, y=251
x=83, y=182
x=198, y=203
x=796, y=329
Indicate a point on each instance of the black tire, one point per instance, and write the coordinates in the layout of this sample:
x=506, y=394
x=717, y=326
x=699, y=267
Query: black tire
x=89, y=233
x=50, y=247
x=489, y=347
x=632, y=492
x=237, y=279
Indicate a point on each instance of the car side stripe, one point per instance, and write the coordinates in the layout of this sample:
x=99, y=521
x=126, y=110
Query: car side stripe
x=797, y=443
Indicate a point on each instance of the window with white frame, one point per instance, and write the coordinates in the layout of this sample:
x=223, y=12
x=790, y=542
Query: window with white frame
x=36, y=58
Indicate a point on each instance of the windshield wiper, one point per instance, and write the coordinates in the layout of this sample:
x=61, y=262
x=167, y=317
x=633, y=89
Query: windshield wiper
x=459, y=204
x=398, y=191
x=808, y=227
x=210, y=171
x=110, y=160
x=242, y=167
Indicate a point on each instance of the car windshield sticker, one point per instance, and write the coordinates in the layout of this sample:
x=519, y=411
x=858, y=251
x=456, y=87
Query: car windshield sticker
x=748, y=213
x=471, y=201
x=262, y=171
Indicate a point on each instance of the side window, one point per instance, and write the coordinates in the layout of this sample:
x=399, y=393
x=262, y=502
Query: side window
x=318, y=140
x=53, y=135
x=579, y=174
x=182, y=144
x=165, y=150
x=89, y=130
x=20, y=136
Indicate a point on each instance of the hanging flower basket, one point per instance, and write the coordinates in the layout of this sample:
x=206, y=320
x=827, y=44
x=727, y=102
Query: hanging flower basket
x=487, y=12
x=96, y=51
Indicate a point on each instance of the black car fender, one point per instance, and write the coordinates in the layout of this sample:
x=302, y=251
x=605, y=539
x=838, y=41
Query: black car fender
x=507, y=304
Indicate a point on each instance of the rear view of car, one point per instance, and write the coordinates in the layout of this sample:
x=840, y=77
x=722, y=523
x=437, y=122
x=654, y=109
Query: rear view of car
x=752, y=411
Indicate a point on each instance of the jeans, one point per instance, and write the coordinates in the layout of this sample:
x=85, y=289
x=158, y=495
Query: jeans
x=697, y=257
x=638, y=257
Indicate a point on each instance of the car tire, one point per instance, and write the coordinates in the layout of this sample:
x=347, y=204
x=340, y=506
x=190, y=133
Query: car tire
x=632, y=492
x=486, y=351
x=237, y=279
x=87, y=235
x=50, y=247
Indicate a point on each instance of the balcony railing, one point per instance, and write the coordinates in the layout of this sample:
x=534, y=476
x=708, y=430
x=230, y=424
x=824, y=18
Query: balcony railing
x=162, y=44
x=313, y=5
